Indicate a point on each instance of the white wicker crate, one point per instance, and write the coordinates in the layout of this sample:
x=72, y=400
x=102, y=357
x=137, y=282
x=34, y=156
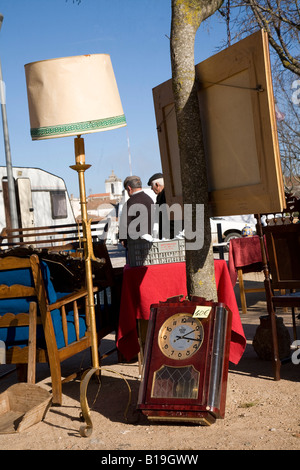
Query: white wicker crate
x=143, y=253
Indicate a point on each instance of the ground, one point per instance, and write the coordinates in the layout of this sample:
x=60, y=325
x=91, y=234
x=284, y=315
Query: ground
x=261, y=414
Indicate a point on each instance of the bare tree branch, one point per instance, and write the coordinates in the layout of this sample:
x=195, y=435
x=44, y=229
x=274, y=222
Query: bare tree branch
x=280, y=18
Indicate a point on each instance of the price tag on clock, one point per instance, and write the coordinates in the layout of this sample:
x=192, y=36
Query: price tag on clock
x=202, y=311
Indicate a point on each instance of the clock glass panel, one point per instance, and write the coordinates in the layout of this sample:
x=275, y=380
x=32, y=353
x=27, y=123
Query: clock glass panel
x=180, y=336
x=176, y=382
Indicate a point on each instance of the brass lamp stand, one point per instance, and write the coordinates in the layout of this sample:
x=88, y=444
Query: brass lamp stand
x=81, y=167
x=71, y=96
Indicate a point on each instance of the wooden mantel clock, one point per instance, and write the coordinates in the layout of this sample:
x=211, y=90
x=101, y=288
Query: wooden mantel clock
x=186, y=361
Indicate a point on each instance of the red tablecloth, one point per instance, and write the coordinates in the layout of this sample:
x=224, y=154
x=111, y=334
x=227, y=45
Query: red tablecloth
x=244, y=253
x=146, y=285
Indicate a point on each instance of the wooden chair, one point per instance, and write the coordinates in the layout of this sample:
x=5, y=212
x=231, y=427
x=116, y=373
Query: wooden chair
x=281, y=264
x=106, y=279
x=62, y=320
x=26, y=355
x=244, y=257
x=61, y=245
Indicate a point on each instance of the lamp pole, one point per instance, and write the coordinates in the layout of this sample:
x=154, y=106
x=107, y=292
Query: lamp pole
x=10, y=178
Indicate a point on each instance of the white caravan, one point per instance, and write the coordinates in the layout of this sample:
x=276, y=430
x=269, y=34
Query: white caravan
x=42, y=198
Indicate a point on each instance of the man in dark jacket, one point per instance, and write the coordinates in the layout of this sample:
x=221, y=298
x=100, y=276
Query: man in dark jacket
x=135, y=220
x=157, y=185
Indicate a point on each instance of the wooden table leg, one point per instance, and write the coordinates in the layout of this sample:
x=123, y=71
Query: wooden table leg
x=242, y=290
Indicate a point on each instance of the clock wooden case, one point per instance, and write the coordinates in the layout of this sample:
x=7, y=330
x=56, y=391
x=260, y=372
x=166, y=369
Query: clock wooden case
x=186, y=361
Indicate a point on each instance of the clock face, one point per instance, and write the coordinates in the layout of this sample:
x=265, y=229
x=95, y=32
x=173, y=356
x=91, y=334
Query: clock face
x=180, y=336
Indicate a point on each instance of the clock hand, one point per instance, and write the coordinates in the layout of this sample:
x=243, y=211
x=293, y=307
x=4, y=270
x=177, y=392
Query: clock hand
x=192, y=339
x=185, y=337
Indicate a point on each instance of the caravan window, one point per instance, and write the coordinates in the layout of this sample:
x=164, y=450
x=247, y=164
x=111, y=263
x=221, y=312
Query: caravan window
x=58, y=204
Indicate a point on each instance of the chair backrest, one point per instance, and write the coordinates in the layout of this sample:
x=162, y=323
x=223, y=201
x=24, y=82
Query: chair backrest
x=55, y=236
x=17, y=280
x=283, y=249
x=21, y=283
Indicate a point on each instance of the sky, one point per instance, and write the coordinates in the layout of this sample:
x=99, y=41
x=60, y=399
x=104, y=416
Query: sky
x=135, y=33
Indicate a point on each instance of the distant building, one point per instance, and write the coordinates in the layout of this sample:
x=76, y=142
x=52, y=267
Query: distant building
x=114, y=186
x=100, y=205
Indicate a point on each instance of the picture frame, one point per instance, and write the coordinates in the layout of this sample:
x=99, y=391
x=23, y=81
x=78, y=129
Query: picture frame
x=239, y=128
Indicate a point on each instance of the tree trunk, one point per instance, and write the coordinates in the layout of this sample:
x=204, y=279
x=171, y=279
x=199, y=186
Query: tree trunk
x=187, y=15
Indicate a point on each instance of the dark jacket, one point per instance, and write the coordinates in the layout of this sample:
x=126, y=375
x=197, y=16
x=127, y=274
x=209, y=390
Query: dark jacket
x=144, y=224
x=161, y=199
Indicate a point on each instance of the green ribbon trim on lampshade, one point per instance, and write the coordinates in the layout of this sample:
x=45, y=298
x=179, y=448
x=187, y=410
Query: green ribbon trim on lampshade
x=78, y=127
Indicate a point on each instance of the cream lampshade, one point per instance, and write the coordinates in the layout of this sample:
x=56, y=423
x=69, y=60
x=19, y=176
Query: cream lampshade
x=71, y=96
